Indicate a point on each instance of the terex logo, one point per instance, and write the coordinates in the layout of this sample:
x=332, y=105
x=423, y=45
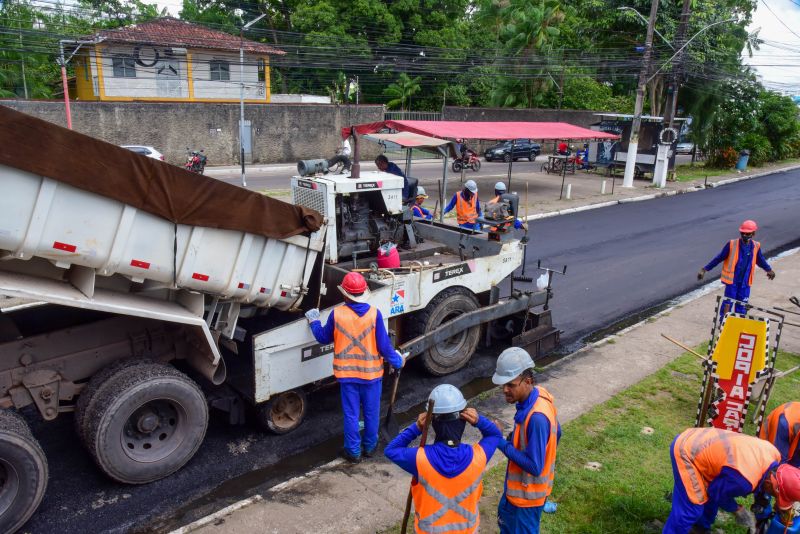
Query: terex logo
x=306, y=184
x=368, y=185
x=315, y=351
x=451, y=272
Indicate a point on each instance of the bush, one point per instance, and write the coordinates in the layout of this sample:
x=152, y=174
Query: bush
x=761, y=150
x=724, y=158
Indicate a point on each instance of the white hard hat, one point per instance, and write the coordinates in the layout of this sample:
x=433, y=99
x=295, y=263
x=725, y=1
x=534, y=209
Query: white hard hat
x=447, y=399
x=499, y=186
x=471, y=185
x=510, y=364
x=421, y=191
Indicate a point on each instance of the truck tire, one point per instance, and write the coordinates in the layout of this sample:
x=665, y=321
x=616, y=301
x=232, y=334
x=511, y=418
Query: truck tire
x=94, y=388
x=451, y=355
x=282, y=413
x=23, y=472
x=146, y=423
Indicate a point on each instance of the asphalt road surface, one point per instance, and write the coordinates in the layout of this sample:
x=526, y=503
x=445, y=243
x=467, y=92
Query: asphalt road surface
x=621, y=260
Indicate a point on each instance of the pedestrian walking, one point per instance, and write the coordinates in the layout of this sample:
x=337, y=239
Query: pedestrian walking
x=739, y=258
x=530, y=448
x=360, y=343
x=711, y=467
x=448, y=475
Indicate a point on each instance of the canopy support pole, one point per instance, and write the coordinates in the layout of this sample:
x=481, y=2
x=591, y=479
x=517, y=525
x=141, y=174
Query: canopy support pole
x=443, y=188
x=511, y=163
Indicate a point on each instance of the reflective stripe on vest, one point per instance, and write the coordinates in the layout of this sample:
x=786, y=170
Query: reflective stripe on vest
x=524, y=489
x=790, y=412
x=729, y=265
x=466, y=212
x=355, y=349
x=448, y=505
x=701, y=453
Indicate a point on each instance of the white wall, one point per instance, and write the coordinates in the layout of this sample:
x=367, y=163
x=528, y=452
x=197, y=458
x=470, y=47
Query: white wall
x=204, y=87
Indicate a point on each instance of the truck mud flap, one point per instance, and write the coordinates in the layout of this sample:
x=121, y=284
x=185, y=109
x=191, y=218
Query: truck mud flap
x=519, y=302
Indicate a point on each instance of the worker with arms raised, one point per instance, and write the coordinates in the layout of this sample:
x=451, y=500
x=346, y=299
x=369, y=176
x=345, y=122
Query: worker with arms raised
x=739, y=258
x=531, y=447
x=448, y=474
x=467, y=205
x=711, y=467
x=360, y=343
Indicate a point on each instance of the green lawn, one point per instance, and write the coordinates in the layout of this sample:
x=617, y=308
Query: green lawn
x=629, y=494
x=688, y=173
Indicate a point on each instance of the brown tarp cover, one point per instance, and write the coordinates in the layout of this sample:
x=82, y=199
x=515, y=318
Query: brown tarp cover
x=43, y=148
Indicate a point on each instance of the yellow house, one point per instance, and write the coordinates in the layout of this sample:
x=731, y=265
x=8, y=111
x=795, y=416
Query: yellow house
x=170, y=60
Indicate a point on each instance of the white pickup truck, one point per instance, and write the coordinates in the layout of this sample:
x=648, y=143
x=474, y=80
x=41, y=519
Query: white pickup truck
x=131, y=316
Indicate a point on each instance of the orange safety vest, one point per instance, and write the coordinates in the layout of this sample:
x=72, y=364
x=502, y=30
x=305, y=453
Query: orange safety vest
x=523, y=489
x=355, y=349
x=448, y=505
x=701, y=453
x=466, y=212
x=729, y=265
x=791, y=412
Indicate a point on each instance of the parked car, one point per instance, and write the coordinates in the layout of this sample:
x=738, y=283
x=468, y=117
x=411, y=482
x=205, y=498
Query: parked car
x=148, y=151
x=523, y=148
x=684, y=148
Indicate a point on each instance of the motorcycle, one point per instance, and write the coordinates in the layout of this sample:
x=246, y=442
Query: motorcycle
x=470, y=161
x=195, y=161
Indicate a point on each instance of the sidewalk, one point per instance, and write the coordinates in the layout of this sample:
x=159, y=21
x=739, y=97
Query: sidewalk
x=370, y=497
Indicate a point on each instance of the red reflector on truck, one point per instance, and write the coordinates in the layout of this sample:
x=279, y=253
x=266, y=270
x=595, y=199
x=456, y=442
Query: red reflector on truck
x=140, y=264
x=64, y=246
x=283, y=293
x=201, y=277
x=242, y=285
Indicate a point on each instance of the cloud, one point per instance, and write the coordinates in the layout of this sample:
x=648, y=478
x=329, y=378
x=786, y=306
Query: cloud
x=778, y=60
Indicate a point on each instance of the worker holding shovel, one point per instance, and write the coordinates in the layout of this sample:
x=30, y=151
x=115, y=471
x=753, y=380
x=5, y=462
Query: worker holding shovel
x=360, y=343
x=531, y=447
x=448, y=475
x=739, y=258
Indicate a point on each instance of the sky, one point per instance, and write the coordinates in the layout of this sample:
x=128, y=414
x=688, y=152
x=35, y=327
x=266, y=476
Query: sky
x=779, y=68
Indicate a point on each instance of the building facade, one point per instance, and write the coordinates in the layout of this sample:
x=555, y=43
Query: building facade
x=171, y=60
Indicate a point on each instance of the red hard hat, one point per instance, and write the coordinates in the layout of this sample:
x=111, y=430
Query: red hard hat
x=787, y=482
x=748, y=227
x=354, y=284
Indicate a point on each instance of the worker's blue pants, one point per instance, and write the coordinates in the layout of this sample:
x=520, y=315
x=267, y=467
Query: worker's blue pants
x=741, y=293
x=685, y=513
x=515, y=520
x=355, y=398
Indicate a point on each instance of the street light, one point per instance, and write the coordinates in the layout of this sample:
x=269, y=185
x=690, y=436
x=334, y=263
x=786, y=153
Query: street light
x=644, y=19
x=678, y=51
x=241, y=92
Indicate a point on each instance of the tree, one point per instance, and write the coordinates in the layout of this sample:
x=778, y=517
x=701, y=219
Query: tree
x=401, y=91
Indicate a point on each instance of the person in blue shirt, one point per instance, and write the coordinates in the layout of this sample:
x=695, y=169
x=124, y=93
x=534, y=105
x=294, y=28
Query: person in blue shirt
x=448, y=467
x=360, y=343
x=417, y=210
x=384, y=165
x=740, y=257
x=467, y=206
x=530, y=448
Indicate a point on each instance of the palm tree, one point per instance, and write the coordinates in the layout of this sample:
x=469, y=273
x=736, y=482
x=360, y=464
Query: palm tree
x=401, y=91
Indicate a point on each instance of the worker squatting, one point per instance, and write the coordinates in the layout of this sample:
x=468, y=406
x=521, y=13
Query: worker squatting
x=711, y=467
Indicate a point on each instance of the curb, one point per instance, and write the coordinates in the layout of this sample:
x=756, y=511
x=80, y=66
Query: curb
x=652, y=196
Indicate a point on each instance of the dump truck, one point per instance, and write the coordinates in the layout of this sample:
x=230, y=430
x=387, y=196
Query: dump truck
x=149, y=295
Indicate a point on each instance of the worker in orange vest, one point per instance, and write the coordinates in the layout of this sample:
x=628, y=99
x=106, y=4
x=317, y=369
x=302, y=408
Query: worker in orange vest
x=739, y=258
x=711, y=467
x=467, y=205
x=448, y=475
x=360, y=343
x=782, y=429
x=530, y=448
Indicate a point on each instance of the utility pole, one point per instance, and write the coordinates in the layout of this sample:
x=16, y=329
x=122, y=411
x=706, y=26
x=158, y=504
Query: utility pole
x=243, y=29
x=633, y=144
x=662, y=158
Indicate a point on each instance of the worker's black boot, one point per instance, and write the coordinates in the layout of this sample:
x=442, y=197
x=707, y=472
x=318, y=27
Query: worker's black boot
x=349, y=457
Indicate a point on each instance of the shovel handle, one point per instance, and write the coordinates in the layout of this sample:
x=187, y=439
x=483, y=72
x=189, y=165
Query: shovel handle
x=423, y=438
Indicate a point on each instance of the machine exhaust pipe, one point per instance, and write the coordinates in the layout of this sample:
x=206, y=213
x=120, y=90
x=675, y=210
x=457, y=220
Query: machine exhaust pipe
x=355, y=169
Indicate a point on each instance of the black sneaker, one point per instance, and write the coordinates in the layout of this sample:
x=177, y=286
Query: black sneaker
x=349, y=457
x=369, y=453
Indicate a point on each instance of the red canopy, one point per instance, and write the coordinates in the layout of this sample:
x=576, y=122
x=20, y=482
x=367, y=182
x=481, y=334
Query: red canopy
x=485, y=130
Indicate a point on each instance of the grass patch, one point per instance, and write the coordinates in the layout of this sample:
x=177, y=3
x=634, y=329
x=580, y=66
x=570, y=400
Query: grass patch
x=688, y=173
x=629, y=493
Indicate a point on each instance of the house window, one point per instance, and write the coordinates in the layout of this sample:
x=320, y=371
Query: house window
x=220, y=70
x=262, y=70
x=124, y=67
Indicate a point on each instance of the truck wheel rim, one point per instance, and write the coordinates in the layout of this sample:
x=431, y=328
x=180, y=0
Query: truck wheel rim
x=9, y=485
x=154, y=430
x=452, y=345
x=287, y=410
